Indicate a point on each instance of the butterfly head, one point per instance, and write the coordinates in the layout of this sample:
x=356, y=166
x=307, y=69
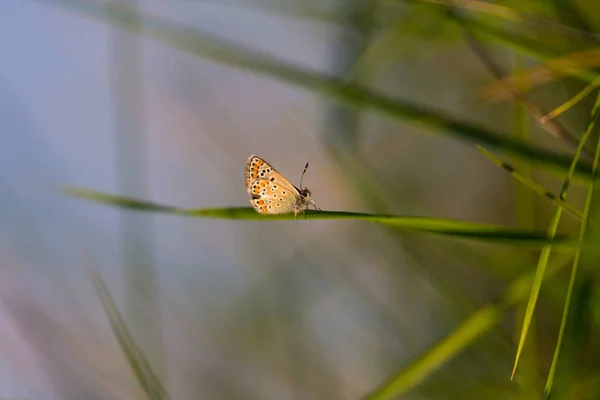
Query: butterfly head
x=305, y=193
x=305, y=198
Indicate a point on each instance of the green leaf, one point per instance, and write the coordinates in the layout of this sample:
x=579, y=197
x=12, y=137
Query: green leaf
x=442, y=226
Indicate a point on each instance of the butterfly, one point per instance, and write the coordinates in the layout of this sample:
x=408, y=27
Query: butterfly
x=271, y=193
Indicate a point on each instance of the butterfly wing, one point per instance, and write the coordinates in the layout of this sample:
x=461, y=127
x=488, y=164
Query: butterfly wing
x=270, y=192
x=257, y=168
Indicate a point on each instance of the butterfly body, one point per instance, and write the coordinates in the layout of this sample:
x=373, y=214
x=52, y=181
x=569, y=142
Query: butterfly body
x=271, y=193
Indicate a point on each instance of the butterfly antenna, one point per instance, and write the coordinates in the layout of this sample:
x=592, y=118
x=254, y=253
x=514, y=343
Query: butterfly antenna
x=303, y=172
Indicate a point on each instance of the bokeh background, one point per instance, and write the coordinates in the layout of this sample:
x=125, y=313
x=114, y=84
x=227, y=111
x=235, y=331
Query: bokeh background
x=229, y=309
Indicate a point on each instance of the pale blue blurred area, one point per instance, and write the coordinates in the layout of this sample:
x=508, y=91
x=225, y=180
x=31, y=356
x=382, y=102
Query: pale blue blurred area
x=202, y=122
x=217, y=278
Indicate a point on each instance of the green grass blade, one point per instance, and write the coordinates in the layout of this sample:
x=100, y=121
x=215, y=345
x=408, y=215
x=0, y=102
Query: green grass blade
x=545, y=255
x=443, y=226
x=576, y=260
x=121, y=201
x=145, y=376
x=464, y=335
x=535, y=288
x=525, y=219
x=439, y=354
x=572, y=101
x=206, y=45
x=537, y=188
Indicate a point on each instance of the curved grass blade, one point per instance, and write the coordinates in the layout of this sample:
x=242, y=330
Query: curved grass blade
x=537, y=188
x=442, y=226
x=583, y=230
x=478, y=323
x=545, y=255
x=206, y=45
x=145, y=376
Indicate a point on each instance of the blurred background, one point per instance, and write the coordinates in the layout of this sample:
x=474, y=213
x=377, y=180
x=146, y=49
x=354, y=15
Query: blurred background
x=230, y=309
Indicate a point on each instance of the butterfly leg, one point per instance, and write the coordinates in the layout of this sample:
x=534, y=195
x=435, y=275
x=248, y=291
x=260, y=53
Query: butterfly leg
x=312, y=203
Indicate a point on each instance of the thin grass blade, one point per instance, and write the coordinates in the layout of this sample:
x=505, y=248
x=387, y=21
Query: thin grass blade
x=535, y=187
x=440, y=226
x=478, y=323
x=141, y=368
x=577, y=258
x=571, y=102
x=545, y=255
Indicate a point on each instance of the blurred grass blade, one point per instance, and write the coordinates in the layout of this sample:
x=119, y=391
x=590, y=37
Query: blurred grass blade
x=510, y=14
x=520, y=43
x=537, y=188
x=570, y=65
x=576, y=260
x=442, y=226
x=458, y=340
x=377, y=56
x=545, y=255
x=121, y=201
x=145, y=376
x=206, y=45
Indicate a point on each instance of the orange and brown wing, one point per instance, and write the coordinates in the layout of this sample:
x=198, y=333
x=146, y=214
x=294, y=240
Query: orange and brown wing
x=270, y=197
x=270, y=192
x=256, y=168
